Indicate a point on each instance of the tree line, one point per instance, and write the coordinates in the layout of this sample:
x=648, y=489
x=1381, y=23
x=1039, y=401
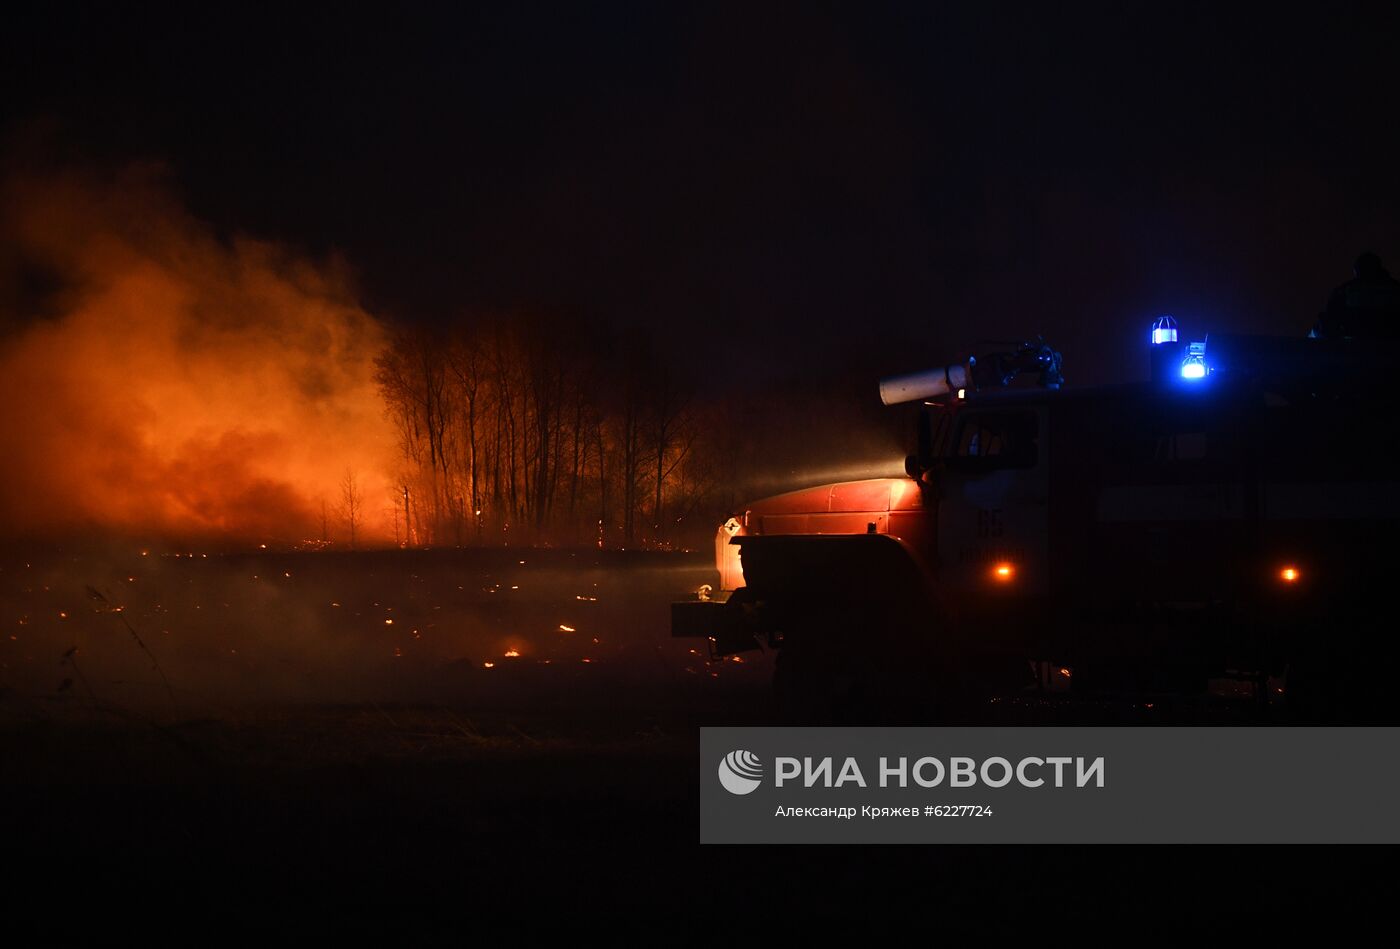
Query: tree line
x=535, y=431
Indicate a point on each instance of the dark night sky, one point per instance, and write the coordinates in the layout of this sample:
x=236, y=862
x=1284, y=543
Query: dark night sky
x=842, y=187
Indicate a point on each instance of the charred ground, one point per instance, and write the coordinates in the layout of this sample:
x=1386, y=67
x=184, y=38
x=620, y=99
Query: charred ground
x=310, y=760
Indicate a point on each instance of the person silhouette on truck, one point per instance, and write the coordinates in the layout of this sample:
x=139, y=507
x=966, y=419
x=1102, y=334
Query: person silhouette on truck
x=1365, y=307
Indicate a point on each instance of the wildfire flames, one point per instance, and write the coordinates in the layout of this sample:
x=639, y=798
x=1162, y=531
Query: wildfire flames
x=159, y=380
x=166, y=381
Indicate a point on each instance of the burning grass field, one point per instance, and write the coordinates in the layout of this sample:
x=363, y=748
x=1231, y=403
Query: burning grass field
x=477, y=739
x=181, y=633
x=374, y=730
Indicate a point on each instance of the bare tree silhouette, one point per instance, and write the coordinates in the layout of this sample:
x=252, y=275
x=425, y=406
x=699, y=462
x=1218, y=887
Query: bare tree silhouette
x=351, y=503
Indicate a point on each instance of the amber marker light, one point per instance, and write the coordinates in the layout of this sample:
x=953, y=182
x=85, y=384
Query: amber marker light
x=1290, y=574
x=1004, y=571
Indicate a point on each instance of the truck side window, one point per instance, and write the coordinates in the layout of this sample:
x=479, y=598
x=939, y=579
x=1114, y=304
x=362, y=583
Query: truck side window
x=999, y=439
x=978, y=441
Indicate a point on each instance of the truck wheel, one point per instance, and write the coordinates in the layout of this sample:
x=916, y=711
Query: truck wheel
x=1327, y=689
x=814, y=686
x=809, y=688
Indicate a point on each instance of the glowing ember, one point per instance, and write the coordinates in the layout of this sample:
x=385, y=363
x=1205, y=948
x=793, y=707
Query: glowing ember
x=567, y=629
x=512, y=653
x=488, y=665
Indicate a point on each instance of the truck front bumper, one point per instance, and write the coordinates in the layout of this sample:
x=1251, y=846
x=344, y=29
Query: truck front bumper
x=721, y=620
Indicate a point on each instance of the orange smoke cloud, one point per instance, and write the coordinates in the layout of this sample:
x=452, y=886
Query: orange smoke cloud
x=176, y=384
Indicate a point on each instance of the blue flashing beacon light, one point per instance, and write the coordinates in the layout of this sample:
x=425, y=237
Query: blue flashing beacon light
x=1163, y=330
x=1193, y=364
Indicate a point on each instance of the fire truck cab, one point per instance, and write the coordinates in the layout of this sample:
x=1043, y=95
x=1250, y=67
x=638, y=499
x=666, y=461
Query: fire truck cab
x=1225, y=529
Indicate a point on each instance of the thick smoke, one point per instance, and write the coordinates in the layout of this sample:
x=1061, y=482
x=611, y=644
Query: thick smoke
x=156, y=379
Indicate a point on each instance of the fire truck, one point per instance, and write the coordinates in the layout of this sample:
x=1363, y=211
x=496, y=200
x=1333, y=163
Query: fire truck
x=1223, y=533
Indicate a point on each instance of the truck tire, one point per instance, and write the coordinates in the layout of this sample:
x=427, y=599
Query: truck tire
x=823, y=679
